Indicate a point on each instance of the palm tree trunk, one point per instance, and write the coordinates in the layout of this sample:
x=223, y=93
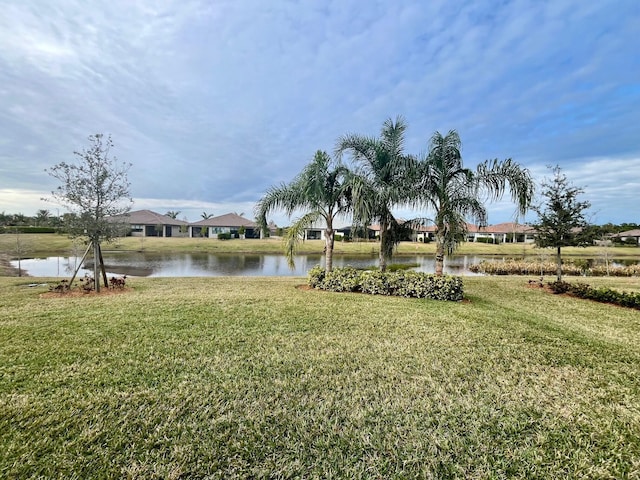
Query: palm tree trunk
x=328, y=249
x=559, y=265
x=382, y=256
x=439, y=255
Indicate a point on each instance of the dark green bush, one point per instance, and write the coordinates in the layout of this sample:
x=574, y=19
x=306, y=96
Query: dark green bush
x=560, y=286
x=602, y=294
x=25, y=229
x=346, y=279
x=224, y=236
x=375, y=282
x=485, y=240
x=398, y=283
x=316, y=276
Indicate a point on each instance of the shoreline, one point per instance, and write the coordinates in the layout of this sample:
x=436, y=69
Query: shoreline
x=8, y=270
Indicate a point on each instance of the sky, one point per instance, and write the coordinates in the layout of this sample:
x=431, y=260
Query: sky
x=214, y=101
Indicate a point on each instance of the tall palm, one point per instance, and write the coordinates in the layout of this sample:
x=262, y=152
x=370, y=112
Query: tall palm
x=382, y=180
x=455, y=194
x=322, y=190
x=42, y=217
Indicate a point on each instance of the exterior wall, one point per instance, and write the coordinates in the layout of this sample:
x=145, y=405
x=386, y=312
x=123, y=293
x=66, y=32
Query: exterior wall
x=314, y=234
x=175, y=231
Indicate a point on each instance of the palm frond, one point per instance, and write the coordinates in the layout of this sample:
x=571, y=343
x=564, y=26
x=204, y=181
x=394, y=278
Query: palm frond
x=296, y=232
x=494, y=177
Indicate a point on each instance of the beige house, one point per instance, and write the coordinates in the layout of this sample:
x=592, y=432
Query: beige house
x=230, y=223
x=508, y=232
x=145, y=223
x=629, y=234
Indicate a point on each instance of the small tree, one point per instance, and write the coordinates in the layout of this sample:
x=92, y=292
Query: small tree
x=20, y=249
x=561, y=220
x=94, y=189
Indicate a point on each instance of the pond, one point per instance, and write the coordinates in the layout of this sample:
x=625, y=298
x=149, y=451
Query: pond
x=137, y=264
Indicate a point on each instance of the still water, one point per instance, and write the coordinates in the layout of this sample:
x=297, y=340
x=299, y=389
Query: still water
x=215, y=265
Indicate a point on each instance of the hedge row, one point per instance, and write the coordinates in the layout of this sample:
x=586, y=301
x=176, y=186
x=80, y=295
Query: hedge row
x=24, y=229
x=515, y=267
x=602, y=294
x=397, y=283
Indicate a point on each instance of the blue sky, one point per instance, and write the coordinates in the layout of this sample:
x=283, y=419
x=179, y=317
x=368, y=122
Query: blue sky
x=213, y=101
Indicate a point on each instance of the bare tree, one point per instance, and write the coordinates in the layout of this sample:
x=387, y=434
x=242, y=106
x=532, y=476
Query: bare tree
x=20, y=249
x=95, y=189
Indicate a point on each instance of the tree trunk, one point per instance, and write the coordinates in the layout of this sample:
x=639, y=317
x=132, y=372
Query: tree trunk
x=559, y=265
x=329, y=236
x=439, y=255
x=382, y=257
x=96, y=266
x=102, y=269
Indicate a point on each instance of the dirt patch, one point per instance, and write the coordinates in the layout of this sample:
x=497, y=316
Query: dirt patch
x=76, y=292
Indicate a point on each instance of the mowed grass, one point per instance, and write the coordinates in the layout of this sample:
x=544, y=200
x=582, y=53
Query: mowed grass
x=255, y=378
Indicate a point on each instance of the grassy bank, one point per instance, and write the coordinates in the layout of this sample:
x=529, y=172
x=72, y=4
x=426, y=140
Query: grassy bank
x=252, y=377
x=48, y=244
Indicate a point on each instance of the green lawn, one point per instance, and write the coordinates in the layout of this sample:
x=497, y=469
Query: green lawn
x=255, y=378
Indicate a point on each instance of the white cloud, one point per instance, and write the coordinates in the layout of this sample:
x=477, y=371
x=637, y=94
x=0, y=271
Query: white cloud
x=215, y=101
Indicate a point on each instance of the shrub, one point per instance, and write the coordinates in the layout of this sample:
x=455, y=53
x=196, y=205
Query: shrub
x=316, y=276
x=485, y=240
x=26, y=229
x=224, y=236
x=602, y=294
x=346, y=279
x=117, y=282
x=398, y=283
x=375, y=283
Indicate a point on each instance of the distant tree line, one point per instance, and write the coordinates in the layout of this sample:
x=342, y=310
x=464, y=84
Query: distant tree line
x=42, y=222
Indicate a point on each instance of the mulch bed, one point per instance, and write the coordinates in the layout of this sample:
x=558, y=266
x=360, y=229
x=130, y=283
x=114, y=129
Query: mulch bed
x=77, y=292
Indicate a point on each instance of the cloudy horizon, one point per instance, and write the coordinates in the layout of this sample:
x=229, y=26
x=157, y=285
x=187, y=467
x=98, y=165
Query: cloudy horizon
x=214, y=102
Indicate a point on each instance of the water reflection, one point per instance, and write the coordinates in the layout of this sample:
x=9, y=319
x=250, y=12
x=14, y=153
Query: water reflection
x=137, y=264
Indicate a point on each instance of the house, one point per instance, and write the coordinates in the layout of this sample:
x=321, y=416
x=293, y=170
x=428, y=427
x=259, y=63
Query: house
x=230, y=223
x=507, y=232
x=629, y=234
x=510, y=232
x=145, y=223
x=318, y=233
x=428, y=233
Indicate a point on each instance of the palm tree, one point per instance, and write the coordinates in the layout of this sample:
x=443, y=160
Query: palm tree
x=455, y=194
x=173, y=214
x=42, y=217
x=322, y=189
x=382, y=181
x=19, y=219
x=206, y=216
